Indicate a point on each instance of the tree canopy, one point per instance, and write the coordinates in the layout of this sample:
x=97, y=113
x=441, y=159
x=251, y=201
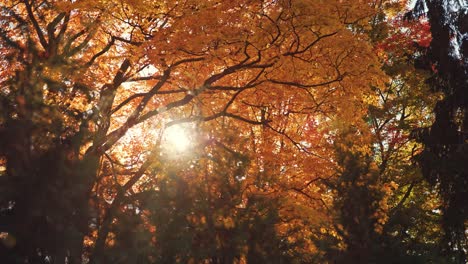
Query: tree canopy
x=289, y=131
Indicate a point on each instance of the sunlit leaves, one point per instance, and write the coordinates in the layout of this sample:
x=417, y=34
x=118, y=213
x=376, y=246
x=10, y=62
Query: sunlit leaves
x=263, y=90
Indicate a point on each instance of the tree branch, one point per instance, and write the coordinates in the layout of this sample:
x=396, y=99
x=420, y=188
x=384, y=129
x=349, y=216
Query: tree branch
x=36, y=25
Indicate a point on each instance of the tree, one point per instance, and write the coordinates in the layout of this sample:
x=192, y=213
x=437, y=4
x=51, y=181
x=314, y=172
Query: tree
x=411, y=232
x=385, y=211
x=445, y=141
x=81, y=80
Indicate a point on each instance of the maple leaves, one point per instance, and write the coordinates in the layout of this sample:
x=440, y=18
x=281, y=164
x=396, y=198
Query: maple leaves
x=268, y=89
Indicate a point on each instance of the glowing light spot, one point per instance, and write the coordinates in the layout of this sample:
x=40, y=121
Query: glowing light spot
x=177, y=139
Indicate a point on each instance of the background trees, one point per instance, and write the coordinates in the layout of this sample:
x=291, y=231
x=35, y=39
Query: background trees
x=297, y=114
x=445, y=140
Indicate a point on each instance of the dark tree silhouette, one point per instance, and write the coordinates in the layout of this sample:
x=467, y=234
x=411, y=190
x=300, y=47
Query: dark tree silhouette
x=443, y=160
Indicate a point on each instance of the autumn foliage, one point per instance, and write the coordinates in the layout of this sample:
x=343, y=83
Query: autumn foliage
x=213, y=132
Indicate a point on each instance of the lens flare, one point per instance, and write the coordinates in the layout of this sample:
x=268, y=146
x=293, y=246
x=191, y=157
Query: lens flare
x=177, y=139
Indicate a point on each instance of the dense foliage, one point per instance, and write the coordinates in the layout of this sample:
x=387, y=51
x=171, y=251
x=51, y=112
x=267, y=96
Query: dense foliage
x=289, y=131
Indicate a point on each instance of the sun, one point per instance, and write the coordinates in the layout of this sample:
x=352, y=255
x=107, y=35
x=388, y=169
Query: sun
x=177, y=139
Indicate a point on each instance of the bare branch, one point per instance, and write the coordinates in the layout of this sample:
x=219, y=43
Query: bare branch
x=301, y=85
x=298, y=145
x=100, y=53
x=36, y=26
x=306, y=48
